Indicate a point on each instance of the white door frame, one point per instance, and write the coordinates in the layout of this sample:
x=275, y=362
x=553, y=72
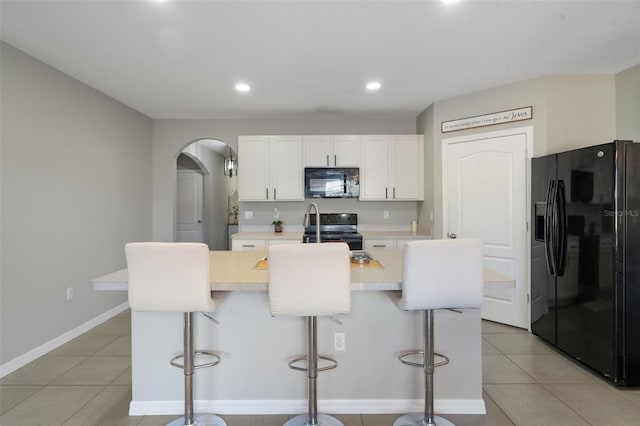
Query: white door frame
x=528, y=132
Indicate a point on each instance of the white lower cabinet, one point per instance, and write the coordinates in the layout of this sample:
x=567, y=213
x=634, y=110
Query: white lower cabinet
x=379, y=245
x=248, y=245
x=386, y=244
x=260, y=244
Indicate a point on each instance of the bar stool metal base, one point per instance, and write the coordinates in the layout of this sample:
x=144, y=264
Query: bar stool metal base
x=200, y=420
x=417, y=419
x=190, y=418
x=323, y=420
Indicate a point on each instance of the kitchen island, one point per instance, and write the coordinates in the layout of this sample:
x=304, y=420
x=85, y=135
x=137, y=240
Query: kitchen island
x=253, y=377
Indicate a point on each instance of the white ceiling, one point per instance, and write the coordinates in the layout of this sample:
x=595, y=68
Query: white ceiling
x=181, y=59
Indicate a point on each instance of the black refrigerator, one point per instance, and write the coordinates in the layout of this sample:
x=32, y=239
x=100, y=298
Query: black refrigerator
x=585, y=257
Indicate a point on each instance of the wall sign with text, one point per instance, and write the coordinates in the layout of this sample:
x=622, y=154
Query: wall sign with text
x=501, y=117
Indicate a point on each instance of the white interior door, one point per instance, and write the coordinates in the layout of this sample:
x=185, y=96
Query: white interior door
x=485, y=197
x=189, y=210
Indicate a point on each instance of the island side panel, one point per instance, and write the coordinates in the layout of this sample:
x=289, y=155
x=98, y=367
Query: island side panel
x=255, y=348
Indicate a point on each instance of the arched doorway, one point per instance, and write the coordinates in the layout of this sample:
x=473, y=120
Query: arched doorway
x=205, y=159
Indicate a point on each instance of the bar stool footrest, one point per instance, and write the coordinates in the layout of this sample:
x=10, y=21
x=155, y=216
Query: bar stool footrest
x=197, y=366
x=401, y=357
x=333, y=363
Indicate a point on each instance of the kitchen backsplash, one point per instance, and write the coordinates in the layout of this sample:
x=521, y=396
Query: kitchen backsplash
x=370, y=213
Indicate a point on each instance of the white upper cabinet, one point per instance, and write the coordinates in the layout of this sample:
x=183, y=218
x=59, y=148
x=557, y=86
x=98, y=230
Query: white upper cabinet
x=272, y=168
x=331, y=151
x=374, y=167
x=407, y=168
x=346, y=150
x=392, y=167
x=318, y=151
x=286, y=175
x=253, y=180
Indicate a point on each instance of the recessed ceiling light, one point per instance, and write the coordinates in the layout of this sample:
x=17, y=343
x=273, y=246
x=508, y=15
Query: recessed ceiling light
x=243, y=87
x=373, y=85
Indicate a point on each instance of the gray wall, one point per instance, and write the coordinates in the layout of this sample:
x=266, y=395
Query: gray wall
x=171, y=136
x=580, y=111
x=628, y=104
x=76, y=186
x=425, y=126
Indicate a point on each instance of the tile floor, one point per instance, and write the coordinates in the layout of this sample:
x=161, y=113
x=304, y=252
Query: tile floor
x=88, y=382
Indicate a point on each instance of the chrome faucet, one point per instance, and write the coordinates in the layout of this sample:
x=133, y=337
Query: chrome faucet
x=307, y=219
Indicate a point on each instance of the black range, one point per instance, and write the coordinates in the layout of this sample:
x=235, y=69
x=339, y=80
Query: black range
x=335, y=227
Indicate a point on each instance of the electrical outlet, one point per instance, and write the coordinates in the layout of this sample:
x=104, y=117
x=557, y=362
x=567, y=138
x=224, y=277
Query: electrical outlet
x=339, y=342
x=385, y=214
x=69, y=293
x=276, y=213
x=248, y=214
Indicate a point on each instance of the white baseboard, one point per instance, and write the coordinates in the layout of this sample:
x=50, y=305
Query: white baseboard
x=279, y=406
x=24, y=359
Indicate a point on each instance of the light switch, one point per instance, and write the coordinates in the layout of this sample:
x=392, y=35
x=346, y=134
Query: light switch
x=248, y=214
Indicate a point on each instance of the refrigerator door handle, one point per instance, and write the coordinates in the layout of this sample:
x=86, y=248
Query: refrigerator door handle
x=548, y=229
x=561, y=236
x=555, y=224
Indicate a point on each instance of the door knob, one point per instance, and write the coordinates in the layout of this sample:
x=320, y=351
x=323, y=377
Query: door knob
x=452, y=236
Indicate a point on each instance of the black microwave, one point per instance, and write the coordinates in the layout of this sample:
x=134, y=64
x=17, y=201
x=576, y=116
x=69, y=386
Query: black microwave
x=331, y=182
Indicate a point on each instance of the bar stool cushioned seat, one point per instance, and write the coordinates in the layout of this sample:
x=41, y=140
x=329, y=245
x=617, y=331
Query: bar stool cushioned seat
x=174, y=277
x=310, y=280
x=438, y=274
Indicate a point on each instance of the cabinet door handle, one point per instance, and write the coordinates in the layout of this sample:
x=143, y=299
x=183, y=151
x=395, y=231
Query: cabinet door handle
x=248, y=245
x=379, y=245
x=327, y=159
x=266, y=192
x=394, y=192
x=274, y=194
x=386, y=193
x=335, y=160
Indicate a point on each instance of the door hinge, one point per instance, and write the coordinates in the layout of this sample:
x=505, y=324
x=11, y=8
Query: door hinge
x=528, y=300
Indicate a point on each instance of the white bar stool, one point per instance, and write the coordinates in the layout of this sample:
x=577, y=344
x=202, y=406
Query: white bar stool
x=174, y=277
x=437, y=274
x=310, y=280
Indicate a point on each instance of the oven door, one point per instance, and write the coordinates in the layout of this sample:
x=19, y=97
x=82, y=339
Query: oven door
x=354, y=243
